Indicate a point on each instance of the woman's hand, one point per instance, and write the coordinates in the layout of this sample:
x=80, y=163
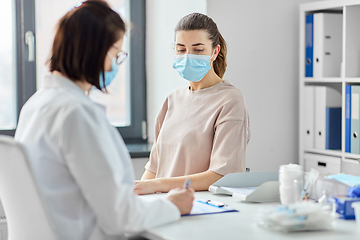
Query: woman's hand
x=182, y=198
x=143, y=187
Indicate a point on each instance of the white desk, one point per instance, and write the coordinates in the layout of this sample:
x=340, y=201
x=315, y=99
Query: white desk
x=240, y=225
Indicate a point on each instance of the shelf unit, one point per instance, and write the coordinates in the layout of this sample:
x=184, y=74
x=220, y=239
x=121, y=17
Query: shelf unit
x=349, y=74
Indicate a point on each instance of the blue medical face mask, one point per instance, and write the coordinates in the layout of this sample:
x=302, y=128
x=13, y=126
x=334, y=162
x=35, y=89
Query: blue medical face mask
x=192, y=67
x=109, y=76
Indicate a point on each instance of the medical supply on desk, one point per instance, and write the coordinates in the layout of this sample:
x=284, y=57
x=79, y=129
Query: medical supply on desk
x=344, y=193
x=332, y=187
x=301, y=216
x=354, y=192
x=291, y=183
x=347, y=179
x=324, y=198
x=310, y=180
x=356, y=207
x=343, y=206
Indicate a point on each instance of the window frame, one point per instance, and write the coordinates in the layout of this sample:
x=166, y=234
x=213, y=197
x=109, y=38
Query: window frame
x=137, y=131
x=25, y=73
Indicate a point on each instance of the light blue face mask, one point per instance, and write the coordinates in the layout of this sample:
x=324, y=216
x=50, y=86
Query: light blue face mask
x=109, y=76
x=192, y=67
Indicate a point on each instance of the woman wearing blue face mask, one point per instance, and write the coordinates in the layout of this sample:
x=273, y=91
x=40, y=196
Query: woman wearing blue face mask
x=202, y=130
x=80, y=161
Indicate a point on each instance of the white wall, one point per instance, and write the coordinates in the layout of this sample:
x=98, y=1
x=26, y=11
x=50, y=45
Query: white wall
x=161, y=19
x=263, y=48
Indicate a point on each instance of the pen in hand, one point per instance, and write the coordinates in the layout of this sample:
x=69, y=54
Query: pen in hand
x=187, y=183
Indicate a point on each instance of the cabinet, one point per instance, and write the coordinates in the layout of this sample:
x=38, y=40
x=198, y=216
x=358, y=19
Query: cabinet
x=3, y=224
x=334, y=32
x=3, y=231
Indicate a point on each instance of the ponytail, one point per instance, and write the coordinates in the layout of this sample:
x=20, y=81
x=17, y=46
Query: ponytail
x=220, y=62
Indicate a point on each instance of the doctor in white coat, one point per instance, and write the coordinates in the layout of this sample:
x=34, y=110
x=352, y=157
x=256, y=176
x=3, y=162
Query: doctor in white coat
x=80, y=161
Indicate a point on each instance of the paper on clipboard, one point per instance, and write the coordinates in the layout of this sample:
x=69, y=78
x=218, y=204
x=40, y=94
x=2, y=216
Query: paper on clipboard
x=200, y=207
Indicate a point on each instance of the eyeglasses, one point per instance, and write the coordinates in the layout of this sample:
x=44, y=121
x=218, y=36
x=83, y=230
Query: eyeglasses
x=121, y=56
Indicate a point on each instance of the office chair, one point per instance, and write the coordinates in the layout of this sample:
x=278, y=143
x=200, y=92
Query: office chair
x=25, y=210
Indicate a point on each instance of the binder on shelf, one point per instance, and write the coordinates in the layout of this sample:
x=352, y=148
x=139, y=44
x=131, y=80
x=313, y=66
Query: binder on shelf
x=355, y=120
x=333, y=128
x=320, y=117
x=327, y=44
x=352, y=46
x=348, y=118
x=249, y=186
x=324, y=97
x=309, y=46
x=309, y=95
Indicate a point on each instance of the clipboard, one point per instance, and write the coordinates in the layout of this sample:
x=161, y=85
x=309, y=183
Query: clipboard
x=203, y=207
x=249, y=186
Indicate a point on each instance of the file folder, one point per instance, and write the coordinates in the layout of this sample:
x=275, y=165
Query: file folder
x=309, y=117
x=348, y=119
x=333, y=128
x=327, y=45
x=320, y=117
x=324, y=97
x=261, y=186
x=355, y=120
x=309, y=46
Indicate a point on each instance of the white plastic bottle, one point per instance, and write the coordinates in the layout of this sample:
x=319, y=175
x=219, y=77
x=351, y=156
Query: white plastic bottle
x=291, y=183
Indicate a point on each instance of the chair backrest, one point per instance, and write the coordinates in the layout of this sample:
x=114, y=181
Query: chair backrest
x=26, y=213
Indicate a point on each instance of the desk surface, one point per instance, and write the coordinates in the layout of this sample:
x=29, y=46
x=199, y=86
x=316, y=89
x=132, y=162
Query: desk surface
x=240, y=225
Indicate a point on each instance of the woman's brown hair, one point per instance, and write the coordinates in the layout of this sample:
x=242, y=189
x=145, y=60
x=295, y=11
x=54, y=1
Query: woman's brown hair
x=198, y=21
x=83, y=37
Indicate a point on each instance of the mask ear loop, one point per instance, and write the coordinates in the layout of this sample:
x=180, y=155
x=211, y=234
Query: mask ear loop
x=111, y=57
x=212, y=57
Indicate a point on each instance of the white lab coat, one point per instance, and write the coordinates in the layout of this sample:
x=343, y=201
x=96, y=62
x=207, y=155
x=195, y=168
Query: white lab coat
x=83, y=167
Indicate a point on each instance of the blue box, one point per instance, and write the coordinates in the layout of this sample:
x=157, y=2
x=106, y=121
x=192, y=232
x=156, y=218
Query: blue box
x=343, y=206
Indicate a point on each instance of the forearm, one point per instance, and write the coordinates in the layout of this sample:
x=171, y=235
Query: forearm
x=199, y=181
x=148, y=175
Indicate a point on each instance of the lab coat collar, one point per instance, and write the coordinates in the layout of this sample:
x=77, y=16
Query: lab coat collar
x=53, y=81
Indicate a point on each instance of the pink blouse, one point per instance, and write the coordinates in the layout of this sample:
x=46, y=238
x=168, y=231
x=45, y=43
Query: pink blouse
x=201, y=130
